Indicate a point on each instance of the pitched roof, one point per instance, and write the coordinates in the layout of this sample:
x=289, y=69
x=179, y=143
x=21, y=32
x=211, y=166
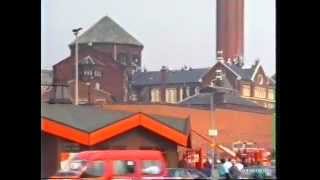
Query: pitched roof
x=245, y=74
x=91, y=118
x=46, y=77
x=85, y=118
x=172, y=77
x=228, y=98
x=107, y=31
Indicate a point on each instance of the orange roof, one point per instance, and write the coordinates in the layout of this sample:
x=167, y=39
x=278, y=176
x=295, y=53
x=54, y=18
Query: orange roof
x=109, y=131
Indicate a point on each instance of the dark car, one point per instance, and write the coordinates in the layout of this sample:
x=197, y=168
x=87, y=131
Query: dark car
x=182, y=173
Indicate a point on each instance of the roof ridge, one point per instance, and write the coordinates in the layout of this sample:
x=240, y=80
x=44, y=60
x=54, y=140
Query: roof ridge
x=106, y=21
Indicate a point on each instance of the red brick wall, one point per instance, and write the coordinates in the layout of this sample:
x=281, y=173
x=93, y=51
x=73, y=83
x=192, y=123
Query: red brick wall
x=232, y=125
x=108, y=49
x=112, y=73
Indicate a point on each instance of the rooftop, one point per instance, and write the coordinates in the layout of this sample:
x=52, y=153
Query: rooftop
x=172, y=77
x=91, y=118
x=107, y=31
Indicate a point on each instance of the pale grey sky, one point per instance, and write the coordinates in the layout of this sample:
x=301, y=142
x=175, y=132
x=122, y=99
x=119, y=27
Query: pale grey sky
x=173, y=32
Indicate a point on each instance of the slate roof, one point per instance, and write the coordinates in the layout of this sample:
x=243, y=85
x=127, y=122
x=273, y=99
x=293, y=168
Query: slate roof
x=228, y=98
x=172, y=77
x=90, y=118
x=245, y=73
x=175, y=123
x=107, y=31
x=46, y=77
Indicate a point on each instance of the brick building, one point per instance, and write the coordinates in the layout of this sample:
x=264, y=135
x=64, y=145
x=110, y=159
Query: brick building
x=108, y=56
x=250, y=83
x=166, y=86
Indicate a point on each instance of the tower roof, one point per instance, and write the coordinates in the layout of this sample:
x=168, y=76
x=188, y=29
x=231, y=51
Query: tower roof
x=107, y=31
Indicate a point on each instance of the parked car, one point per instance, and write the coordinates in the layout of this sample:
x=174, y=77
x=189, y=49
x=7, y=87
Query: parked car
x=182, y=173
x=258, y=172
x=116, y=164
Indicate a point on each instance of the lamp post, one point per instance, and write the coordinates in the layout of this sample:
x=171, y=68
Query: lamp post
x=76, y=86
x=212, y=133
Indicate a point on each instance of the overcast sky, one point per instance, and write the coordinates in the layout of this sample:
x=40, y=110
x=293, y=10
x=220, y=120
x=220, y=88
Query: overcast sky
x=173, y=32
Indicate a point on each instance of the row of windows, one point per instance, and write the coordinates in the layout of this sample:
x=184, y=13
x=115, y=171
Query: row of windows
x=259, y=92
x=92, y=73
x=124, y=58
x=120, y=168
x=171, y=94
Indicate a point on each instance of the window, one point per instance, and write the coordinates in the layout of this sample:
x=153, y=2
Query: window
x=246, y=90
x=124, y=167
x=97, y=73
x=95, y=169
x=219, y=74
x=197, y=90
x=188, y=91
x=70, y=147
x=151, y=167
x=270, y=94
x=136, y=60
x=123, y=58
x=181, y=94
x=155, y=95
x=192, y=91
x=260, y=92
x=98, y=86
x=171, y=95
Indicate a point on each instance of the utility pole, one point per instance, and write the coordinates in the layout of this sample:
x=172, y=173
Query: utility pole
x=213, y=133
x=213, y=142
x=76, y=85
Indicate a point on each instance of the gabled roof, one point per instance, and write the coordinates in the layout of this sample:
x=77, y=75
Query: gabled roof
x=98, y=57
x=82, y=117
x=107, y=31
x=90, y=125
x=245, y=74
x=172, y=77
x=89, y=60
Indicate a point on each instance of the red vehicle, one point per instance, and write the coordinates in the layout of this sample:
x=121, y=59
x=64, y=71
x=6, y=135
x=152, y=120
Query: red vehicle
x=116, y=164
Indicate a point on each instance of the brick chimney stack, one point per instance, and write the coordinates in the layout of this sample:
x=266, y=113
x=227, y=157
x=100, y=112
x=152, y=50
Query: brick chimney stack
x=230, y=28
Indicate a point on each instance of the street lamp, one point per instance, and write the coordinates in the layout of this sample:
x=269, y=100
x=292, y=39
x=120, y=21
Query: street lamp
x=76, y=86
x=212, y=133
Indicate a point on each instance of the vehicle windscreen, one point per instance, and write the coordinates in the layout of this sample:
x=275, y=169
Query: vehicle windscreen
x=94, y=169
